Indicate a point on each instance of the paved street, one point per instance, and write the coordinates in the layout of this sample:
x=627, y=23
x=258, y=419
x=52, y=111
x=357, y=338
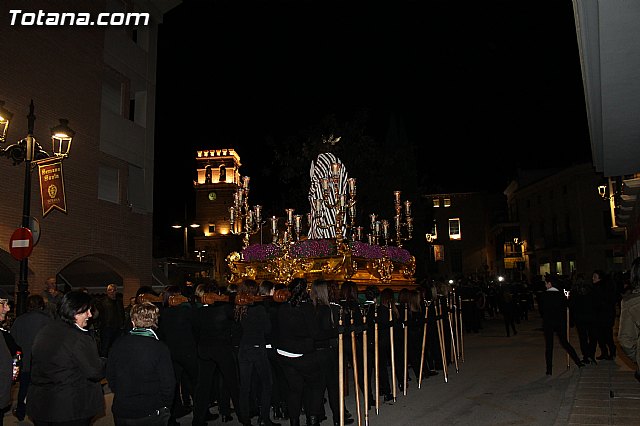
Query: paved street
x=503, y=382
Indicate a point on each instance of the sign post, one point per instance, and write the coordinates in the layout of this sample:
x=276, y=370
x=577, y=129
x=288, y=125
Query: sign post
x=21, y=243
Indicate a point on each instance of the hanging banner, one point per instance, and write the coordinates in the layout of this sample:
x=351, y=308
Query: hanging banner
x=438, y=252
x=52, y=187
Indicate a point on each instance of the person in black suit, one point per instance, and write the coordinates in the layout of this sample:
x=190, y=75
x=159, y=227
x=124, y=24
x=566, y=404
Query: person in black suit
x=216, y=330
x=298, y=328
x=554, y=308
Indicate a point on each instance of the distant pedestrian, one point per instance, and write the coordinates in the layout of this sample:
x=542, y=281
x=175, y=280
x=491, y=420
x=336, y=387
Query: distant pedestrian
x=554, y=308
x=582, y=304
x=52, y=296
x=629, y=331
x=111, y=318
x=605, y=314
x=507, y=306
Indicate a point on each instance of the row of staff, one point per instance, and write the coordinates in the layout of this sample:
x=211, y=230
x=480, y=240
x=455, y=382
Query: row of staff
x=448, y=322
x=445, y=307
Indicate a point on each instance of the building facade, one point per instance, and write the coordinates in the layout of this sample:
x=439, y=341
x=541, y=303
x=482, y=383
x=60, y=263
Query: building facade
x=102, y=79
x=565, y=225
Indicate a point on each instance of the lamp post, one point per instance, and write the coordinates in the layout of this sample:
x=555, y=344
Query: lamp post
x=31, y=153
x=185, y=238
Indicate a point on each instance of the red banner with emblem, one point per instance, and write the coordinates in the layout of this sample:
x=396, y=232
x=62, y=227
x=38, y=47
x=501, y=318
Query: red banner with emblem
x=52, y=187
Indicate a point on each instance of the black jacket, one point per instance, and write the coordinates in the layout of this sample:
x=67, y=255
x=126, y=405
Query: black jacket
x=554, y=308
x=65, y=375
x=298, y=328
x=24, y=331
x=140, y=374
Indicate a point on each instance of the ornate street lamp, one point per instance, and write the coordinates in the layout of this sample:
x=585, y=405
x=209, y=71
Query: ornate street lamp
x=27, y=150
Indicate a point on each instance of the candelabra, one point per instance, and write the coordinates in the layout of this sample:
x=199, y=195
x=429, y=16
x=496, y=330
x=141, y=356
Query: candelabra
x=250, y=219
x=293, y=223
x=342, y=205
x=408, y=220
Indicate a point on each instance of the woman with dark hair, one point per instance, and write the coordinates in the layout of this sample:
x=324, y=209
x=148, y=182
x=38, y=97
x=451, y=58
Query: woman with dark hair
x=252, y=354
x=581, y=305
x=629, y=331
x=65, y=368
x=175, y=328
x=140, y=372
x=298, y=328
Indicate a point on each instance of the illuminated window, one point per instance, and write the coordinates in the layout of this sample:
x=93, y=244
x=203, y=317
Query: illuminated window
x=447, y=202
x=454, y=229
x=436, y=202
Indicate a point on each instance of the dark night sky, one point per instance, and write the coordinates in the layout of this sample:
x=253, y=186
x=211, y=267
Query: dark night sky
x=482, y=88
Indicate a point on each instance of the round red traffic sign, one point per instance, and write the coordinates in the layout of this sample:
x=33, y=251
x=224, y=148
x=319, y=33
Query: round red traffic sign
x=21, y=243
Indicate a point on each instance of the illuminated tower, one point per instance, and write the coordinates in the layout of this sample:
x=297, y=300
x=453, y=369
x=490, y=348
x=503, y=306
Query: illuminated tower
x=218, y=178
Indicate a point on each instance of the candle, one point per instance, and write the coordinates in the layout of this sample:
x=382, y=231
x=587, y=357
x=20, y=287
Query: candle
x=240, y=196
x=258, y=212
x=274, y=225
x=343, y=201
x=232, y=214
x=245, y=182
x=289, y=215
x=335, y=170
x=298, y=223
x=352, y=186
x=359, y=230
x=372, y=216
x=324, y=183
x=397, y=219
x=397, y=195
x=385, y=229
x=407, y=208
x=370, y=238
x=376, y=228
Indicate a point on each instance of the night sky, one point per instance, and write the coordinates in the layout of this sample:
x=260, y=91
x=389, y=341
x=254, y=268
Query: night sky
x=475, y=90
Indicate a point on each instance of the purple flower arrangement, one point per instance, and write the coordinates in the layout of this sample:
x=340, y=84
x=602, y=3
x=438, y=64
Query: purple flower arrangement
x=314, y=248
x=324, y=248
x=260, y=252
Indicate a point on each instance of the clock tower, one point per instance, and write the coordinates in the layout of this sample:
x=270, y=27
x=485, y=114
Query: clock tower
x=218, y=178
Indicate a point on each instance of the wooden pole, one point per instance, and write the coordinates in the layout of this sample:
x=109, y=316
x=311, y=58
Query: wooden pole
x=443, y=352
x=341, y=370
x=454, y=352
x=393, y=356
x=365, y=372
x=376, y=359
x=406, y=346
x=461, y=328
x=354, y=349
x=424, y=341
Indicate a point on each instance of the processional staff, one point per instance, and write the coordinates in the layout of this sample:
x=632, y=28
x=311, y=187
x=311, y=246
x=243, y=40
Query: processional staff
x=424, y=340
x=365, y=373
x=454, y=352
x=461, y=329
x=341, y=368
x=376, y=358
x=393, y=357
x=406, y=346
x=455, y=307
x=354, y=349
x=443, y=352
x=566, y=294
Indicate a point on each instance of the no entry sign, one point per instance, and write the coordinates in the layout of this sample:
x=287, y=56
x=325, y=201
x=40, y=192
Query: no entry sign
x=21, y=243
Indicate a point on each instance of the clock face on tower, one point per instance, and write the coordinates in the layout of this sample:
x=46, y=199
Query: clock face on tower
x=212, y=196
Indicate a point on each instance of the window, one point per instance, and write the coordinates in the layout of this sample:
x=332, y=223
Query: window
x=108, y=184
x=447, y=202
x=436, y=202
x=135, y=188
x=454, y=229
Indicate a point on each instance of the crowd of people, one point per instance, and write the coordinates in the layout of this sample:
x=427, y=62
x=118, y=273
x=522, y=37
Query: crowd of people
x=255, y=355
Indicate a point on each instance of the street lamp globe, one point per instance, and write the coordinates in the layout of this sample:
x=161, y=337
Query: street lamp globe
x=61, y=137
x=5, y=118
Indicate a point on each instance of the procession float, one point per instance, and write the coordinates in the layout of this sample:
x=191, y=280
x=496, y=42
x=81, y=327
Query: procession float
x=329, y=245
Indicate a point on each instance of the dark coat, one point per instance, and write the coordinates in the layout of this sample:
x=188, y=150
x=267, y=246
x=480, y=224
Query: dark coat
x=140, y=374
x=176, y=329
x=298, y=328
x=65, y=375
x=554, y=308
x=24, y=331
x=6, y=372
